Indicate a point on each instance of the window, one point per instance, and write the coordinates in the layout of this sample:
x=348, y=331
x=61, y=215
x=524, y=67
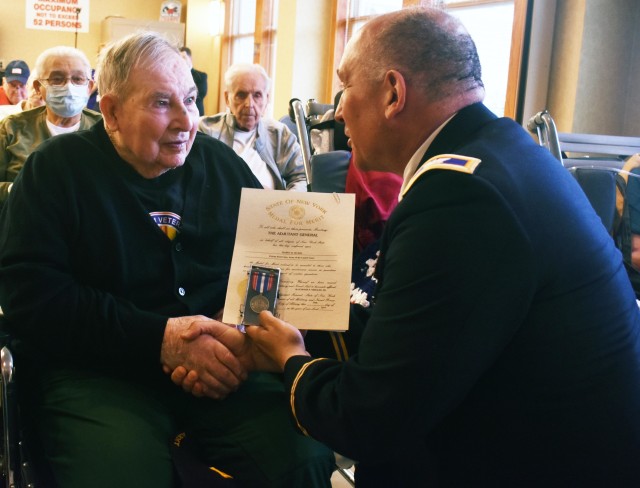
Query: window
x=250, y=36
x=497, y=27
x=351, y=15
x=241, y=32
x=490, y=26
x=362, y=10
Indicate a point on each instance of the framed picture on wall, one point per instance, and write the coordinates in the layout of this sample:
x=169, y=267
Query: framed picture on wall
x=170, y=11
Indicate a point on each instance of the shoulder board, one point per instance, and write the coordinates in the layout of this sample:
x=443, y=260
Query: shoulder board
x=452, y=162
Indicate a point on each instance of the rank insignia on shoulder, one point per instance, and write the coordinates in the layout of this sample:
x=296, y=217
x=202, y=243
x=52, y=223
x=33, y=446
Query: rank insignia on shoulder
x=453, y=162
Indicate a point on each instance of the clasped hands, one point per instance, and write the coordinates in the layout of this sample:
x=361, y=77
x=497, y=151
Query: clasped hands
x=210, y=358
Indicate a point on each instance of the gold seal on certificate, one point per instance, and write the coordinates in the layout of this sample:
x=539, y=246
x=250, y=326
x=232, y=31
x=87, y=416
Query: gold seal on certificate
x=259, y=303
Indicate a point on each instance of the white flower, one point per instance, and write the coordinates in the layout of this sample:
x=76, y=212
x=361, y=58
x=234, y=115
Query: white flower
x=371, y=263
x=358, y=296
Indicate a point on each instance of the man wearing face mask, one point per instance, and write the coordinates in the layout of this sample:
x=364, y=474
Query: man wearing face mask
x=64, y=83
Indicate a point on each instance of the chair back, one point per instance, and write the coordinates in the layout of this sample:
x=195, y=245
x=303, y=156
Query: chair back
x=607, y=168
x=329, y=171
x=599, y=185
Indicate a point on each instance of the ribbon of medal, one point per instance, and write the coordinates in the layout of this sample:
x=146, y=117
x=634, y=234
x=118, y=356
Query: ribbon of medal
x=261, y=282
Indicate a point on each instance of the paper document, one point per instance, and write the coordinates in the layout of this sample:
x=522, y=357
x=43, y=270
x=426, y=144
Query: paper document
x=309, y=238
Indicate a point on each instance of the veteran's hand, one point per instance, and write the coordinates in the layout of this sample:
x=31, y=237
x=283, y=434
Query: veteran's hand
x=263, y=348
x=204, y=348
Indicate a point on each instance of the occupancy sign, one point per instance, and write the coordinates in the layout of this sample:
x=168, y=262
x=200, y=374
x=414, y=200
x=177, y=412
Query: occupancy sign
x=58, y=15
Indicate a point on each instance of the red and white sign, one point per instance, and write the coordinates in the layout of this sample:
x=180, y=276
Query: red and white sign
x=58, y=15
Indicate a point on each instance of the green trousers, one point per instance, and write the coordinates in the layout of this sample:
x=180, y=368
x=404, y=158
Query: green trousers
x=100, y=431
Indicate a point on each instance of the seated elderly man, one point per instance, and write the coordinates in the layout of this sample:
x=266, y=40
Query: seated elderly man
x=14, y=83
x=33, y=100
x=128, y=242
x=268, y=146
x=64, y=83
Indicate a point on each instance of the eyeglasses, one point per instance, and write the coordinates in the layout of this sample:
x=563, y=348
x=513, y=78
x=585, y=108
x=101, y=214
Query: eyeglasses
x=77, y=80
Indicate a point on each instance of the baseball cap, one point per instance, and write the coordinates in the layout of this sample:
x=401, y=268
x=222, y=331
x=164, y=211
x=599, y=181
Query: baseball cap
x=17, y=70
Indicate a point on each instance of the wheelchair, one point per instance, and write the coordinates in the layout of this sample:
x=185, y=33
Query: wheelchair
x=18, y=462
x=19, y=468
x=22, y=468
x=16, y=469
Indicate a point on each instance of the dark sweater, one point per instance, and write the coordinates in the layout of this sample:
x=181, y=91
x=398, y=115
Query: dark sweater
x=86, y=275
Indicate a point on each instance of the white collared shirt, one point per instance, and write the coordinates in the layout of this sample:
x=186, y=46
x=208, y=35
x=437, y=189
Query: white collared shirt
x=412, y=166
x=57, y=130
x=244, y=146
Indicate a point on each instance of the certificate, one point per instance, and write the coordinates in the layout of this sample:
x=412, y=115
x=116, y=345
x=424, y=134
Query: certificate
x=309, y=238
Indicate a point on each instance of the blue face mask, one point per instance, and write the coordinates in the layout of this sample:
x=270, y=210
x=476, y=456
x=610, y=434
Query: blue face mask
x=67, y=100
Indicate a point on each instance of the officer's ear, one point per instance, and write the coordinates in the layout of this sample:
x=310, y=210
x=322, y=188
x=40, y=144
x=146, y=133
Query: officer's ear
x=395, y=93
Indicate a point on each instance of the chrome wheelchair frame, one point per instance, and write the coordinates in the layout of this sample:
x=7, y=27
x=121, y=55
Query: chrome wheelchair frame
x=15, y=464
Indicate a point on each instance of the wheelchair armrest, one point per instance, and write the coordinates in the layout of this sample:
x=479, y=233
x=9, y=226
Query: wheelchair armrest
x=9, y=416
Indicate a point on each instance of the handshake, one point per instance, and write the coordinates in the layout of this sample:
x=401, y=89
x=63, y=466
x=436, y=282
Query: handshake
x=210, y=358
